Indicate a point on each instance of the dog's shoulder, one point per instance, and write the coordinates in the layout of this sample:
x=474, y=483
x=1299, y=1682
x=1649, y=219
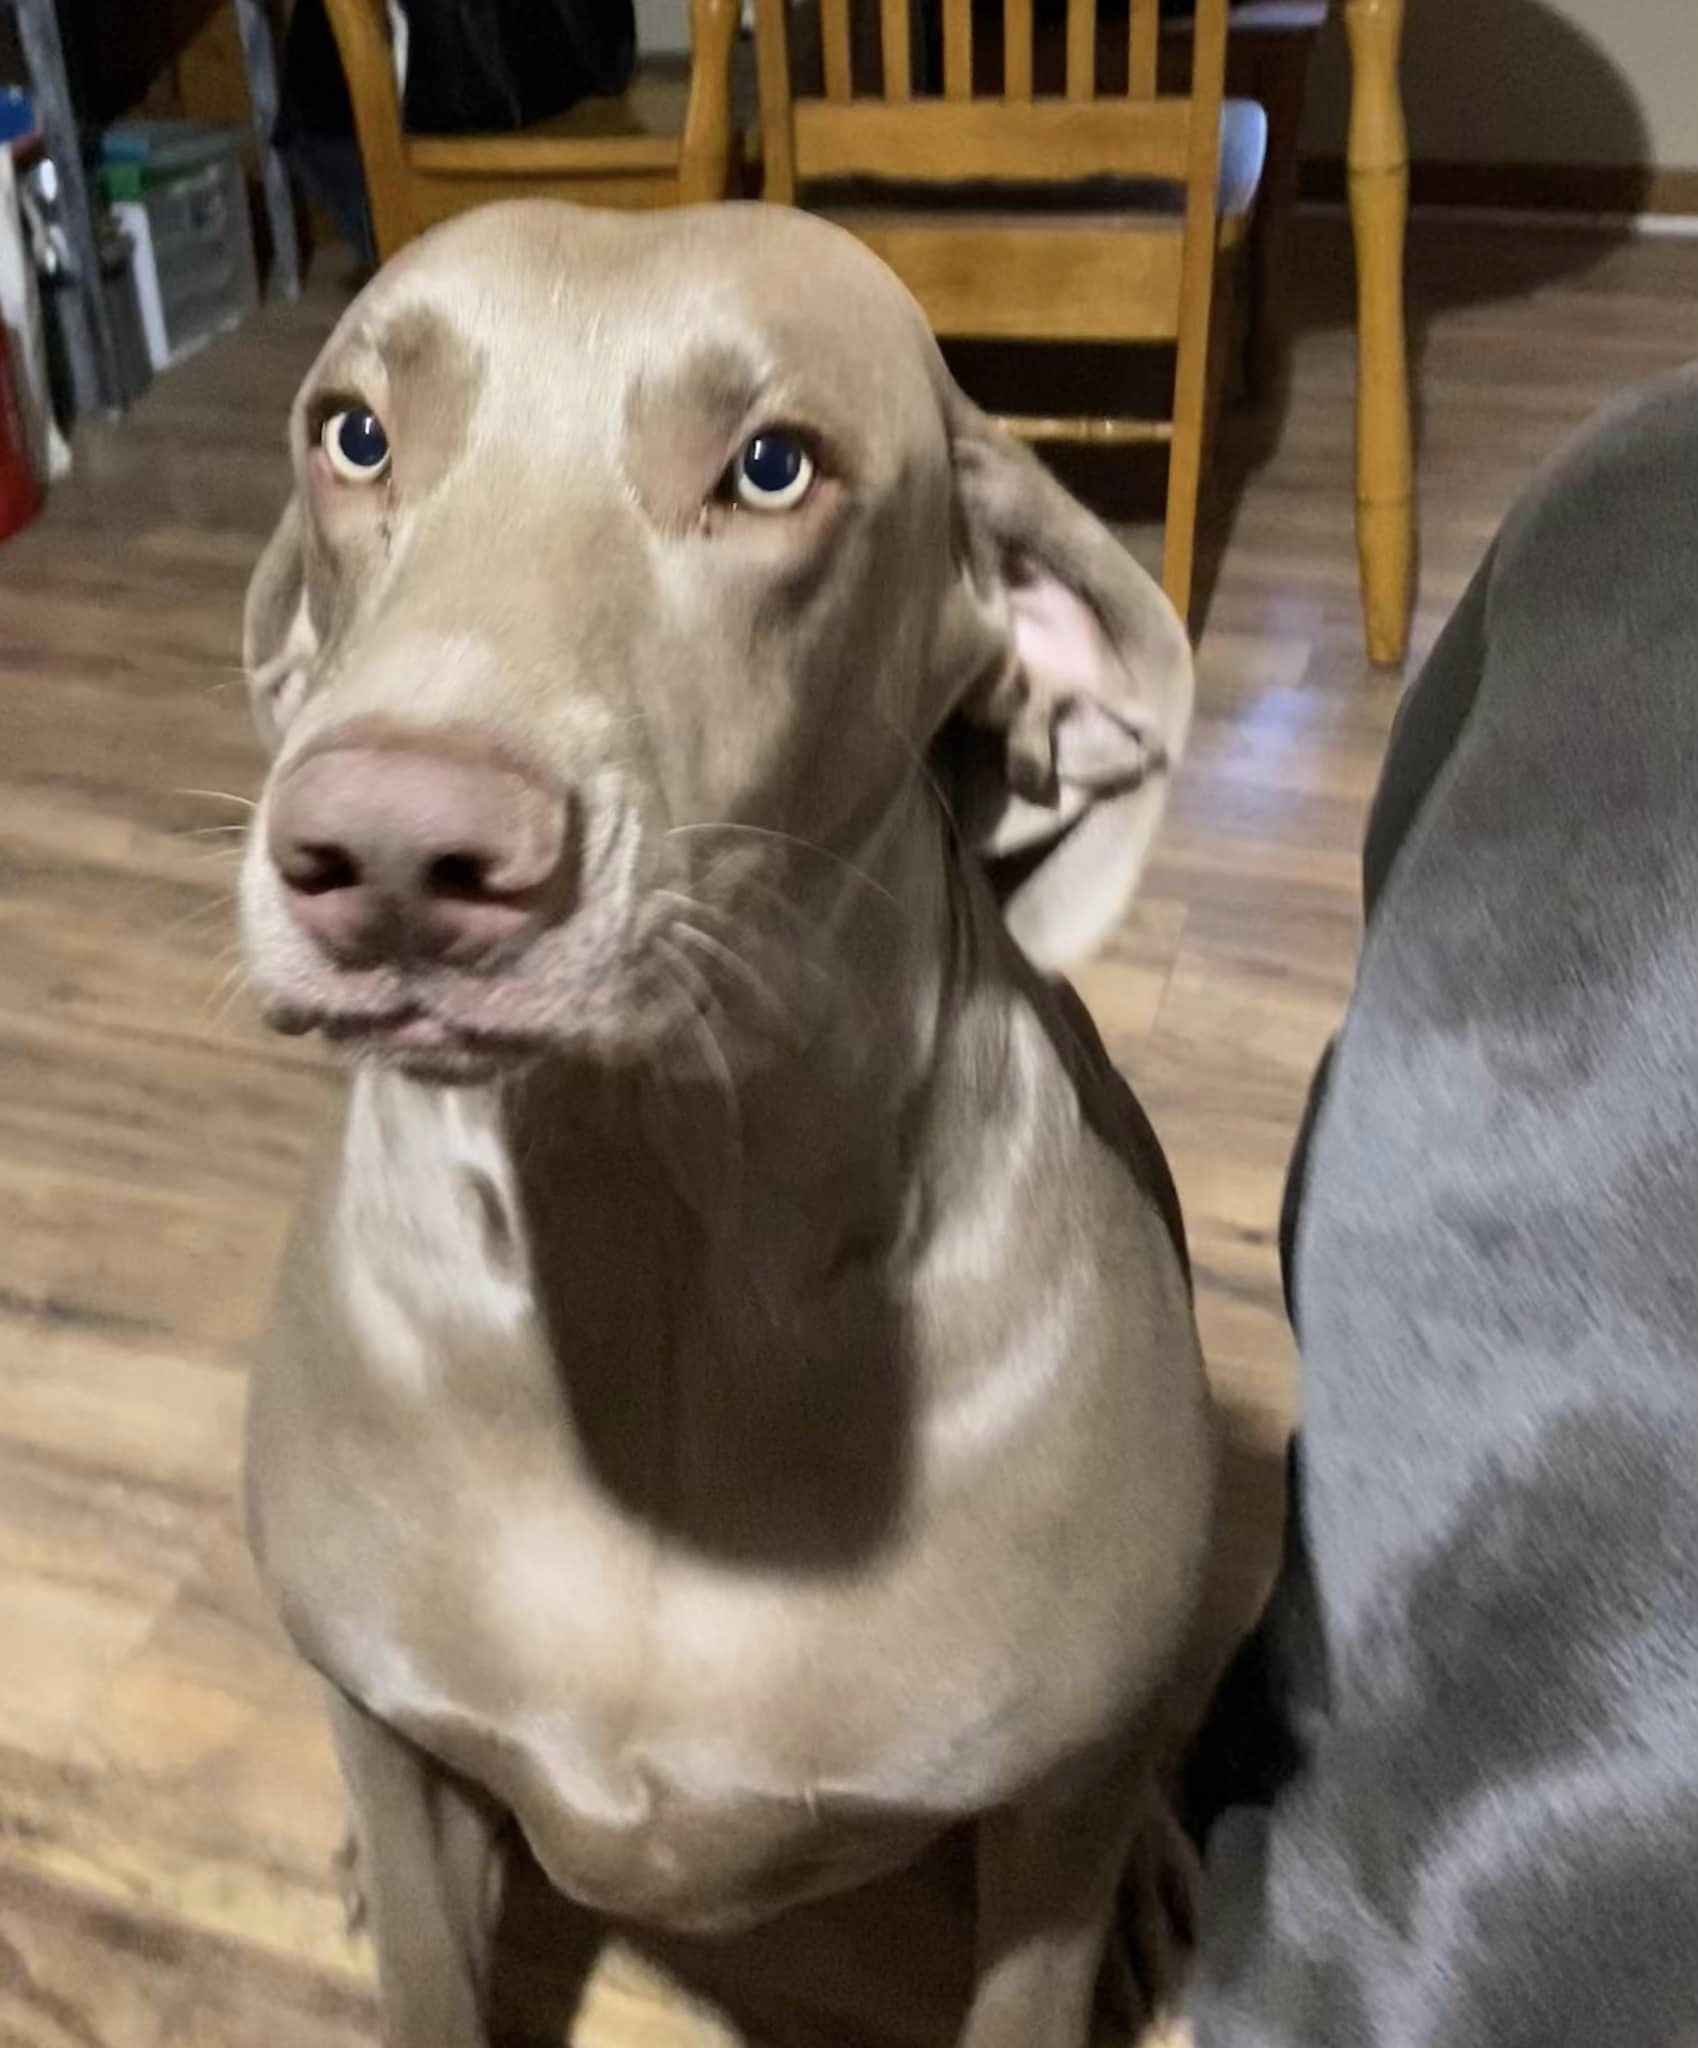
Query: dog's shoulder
x=1110, y=1107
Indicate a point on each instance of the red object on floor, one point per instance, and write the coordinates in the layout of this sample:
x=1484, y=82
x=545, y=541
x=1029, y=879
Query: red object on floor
x=20, y=493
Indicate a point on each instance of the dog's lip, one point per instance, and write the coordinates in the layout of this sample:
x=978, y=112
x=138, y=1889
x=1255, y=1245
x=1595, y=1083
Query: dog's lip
x=409, y=1034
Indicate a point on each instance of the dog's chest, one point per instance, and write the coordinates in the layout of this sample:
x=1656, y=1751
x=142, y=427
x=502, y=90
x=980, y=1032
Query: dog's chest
x=677, y=1747
x=702, y=1703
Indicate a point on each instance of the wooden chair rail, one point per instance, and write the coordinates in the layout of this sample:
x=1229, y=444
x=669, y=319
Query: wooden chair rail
x=958, y=141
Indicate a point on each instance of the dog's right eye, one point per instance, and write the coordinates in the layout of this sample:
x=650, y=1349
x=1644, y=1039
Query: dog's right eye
x=356, y=445
x=773, y=472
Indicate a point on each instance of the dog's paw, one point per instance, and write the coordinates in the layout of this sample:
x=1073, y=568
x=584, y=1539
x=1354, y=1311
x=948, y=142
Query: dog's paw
x=349, y=1868
x=1156, y=1927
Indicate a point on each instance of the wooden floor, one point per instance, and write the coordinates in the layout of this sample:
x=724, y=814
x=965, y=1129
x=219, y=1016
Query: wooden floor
x=167, y=1808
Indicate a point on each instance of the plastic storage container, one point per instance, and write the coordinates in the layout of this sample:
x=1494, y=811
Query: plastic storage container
x=178, y=191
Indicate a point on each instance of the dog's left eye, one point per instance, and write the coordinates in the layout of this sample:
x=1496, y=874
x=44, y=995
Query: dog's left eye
x=356, y=444
x=773, y=472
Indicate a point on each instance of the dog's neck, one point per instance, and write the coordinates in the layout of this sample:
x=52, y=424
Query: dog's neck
x=825, y=1111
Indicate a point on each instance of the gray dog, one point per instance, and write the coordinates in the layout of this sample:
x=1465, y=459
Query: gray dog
x=1453, y=1784
x=733, y=1405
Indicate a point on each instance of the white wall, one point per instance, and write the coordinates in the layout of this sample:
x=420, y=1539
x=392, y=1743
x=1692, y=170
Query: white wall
x=1534, y=81
x=663, y=26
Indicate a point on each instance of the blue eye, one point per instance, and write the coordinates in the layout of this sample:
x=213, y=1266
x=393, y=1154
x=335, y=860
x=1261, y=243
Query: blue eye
x=773, y=472
x=356, y=444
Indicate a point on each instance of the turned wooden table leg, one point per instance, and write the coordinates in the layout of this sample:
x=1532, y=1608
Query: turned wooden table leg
x=1379, y=207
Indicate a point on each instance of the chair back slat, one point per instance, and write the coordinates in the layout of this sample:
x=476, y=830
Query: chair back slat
x=896, y=49
x=1017, y=49
x=834, y=49
x=954, y=127
x=1144, y=28
x=778, y=101
x=1081, y=49
x=958, y=49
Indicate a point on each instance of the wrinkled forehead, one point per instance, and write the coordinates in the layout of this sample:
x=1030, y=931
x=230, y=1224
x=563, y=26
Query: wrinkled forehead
x=560, y=332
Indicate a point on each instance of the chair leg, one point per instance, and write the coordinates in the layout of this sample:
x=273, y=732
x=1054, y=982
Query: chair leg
x=361, y=28
x=1223, y=378
x=704, y=163
x=1197, y=404
x=1196, y=290
x=1283, y=85
x=1179, y=538
x=1196, y=424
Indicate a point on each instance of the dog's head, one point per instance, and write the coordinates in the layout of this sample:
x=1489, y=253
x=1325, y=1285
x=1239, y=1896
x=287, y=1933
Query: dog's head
x=636, y=568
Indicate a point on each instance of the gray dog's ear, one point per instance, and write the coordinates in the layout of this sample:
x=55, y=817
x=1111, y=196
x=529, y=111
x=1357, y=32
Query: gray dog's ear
x=1077, y=705
x=278, y=636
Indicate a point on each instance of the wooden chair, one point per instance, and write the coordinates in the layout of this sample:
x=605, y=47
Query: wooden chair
x=1269, y=46
x=666, y=141
x=1017, y=215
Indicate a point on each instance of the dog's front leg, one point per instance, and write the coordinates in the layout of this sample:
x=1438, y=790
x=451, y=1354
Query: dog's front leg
x=1049, y=1874
x=430, y=1869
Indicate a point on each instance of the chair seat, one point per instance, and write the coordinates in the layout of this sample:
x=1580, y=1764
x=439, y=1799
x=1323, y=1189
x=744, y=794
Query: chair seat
x=649, y=111
x=1243, y=155
x=1273, y=18
x=652, y=104
x=646, y=120
x=1139, y=205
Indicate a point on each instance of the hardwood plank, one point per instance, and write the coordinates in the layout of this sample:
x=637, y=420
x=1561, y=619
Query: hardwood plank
x=81, y=1248
x=75, y=1974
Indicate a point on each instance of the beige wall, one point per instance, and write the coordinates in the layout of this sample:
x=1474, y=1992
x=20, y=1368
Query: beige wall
x=1535, y=81
x=1494, y=81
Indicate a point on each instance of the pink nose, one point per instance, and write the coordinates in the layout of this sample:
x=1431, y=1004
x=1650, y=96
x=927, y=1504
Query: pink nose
x=418, y=847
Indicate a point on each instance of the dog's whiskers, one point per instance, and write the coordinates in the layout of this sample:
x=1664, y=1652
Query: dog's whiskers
x=220, y=796
x=719, y=950
x=770, y=832
x=700, y=1002
x=751, y=975
x=922, y=762
x=754, y=884
x=226, y=993
x=814, y=947
x=200, y=913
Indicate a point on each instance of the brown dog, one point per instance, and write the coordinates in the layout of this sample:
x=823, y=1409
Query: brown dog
x=733, y=1402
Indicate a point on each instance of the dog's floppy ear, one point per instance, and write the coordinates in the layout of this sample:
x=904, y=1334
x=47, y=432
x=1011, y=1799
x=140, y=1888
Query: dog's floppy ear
x=279, y=639
x=1064, y=737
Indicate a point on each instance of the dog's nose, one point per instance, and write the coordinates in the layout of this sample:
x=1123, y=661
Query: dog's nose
x=430, y=848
